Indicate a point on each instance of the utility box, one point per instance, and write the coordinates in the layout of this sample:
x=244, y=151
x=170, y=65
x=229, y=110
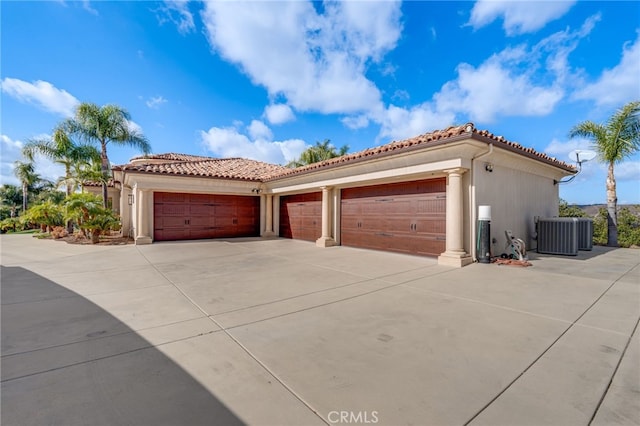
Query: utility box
x=558, y=235
x=585, y=233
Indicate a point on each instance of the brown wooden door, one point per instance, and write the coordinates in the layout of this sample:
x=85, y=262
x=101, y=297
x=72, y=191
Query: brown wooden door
x=407, y=217
x=195, y=216
x=301, y=216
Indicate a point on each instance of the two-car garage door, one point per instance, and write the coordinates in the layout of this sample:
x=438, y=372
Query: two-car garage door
x=407, y=217
x=178, y=216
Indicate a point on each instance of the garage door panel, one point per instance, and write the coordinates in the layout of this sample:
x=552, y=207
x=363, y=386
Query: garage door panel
x=197, y=216
x=407, y=217
x=301, y=216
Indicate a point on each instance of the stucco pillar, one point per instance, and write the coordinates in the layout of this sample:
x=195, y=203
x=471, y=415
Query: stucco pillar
x=143, y=215
x=268, y=221
x=455, y=254
x=326, y=240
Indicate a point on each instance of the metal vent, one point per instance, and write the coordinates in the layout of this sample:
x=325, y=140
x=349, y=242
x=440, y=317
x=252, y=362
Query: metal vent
x=585, y=233
x=558, y=235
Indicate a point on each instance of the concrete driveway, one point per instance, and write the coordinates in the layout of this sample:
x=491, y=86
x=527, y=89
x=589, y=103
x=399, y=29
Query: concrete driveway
x=279, y=332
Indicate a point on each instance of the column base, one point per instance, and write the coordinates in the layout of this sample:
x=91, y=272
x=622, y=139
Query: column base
x=143, y=240
x=457, y=260
x=326, y=242
x=268, y=234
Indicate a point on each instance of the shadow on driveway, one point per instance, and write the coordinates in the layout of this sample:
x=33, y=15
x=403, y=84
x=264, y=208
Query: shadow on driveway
x=67, y=361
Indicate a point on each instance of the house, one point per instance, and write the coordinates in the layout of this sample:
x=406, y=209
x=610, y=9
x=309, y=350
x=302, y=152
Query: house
x=416, y=196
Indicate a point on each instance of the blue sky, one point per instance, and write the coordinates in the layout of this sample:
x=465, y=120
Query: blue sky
x=266, y=79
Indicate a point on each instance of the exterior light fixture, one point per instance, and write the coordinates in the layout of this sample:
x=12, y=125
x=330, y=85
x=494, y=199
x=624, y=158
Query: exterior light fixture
x=488, y=167
x=131, y=199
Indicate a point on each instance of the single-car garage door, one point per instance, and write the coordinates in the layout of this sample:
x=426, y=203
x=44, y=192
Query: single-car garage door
x=407, y=217
x=301, y=216
x=179, y=216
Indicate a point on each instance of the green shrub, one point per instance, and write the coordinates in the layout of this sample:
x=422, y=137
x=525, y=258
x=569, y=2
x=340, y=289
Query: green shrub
x=46, y=215
x=628, y=228
x=566, y=210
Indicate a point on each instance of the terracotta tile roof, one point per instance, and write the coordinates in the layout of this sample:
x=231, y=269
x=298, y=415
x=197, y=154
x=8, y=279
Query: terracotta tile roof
x=450, y=134
x=244, y=169
x=191, y=165
x=96, y=183
x=172, y=156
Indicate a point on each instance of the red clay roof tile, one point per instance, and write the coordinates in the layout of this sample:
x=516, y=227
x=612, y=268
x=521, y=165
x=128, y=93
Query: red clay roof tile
x=244, y=169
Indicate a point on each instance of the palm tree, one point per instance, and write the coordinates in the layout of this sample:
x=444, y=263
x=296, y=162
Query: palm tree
x=10, y=196
x=614, y=141
x=319, y=152
x=26, y=174
x=104, y=125
x=62, y=150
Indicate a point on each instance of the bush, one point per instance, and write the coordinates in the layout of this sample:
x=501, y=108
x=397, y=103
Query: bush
x=628, y=228
x=566, y=210
x=92, y=219
x=12, y=224
x=46, y=215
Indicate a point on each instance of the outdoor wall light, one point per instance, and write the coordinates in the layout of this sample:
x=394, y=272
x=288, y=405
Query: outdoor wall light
x=256, y=190
x=130, y=199
x=488, y=167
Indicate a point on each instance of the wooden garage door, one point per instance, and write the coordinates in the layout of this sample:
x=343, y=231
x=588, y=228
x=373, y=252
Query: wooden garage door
x=179, y=216
x=407, y=217
x=301, y=216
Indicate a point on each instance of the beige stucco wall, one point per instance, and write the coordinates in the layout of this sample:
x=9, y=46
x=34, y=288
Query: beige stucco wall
x=112, y=193
x=517, y=191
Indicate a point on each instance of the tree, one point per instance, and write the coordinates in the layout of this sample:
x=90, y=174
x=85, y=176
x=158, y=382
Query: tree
x=319, y=152
x=11, y=197
x=26, y=174
x=104, y=125
x=62, y=150
x=614, y=141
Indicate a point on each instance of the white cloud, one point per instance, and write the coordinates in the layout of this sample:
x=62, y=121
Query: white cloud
x=519, y=16
x=42, y=94
x=228, y=142
x=518, y=81
x=317, y=62
x=279, y=113
x=561, y=149
x=135, y=127
x=156, y=102
x=178, y=13
x=259, y=130
x=401, y=123
x=628, y=171
x=356, y=122
x=619, y=84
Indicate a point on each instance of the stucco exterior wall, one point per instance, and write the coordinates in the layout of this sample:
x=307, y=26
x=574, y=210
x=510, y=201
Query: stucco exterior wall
x=517, y=194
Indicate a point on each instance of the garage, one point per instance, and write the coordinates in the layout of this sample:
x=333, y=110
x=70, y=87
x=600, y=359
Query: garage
x=301, y=216
x=178, y=216
x=406, y=217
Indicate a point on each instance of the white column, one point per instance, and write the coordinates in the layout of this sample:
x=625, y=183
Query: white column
x=143, y=215
x=455, y=254
x=326, y=240
x=268, y=221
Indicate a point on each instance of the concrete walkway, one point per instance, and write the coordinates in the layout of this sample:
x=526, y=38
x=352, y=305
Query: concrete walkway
x=280, y=332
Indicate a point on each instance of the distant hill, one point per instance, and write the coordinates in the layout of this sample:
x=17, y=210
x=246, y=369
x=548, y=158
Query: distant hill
x=593, y=209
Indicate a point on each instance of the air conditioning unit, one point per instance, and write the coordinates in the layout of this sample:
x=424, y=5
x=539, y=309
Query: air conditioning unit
x=585, y=233
x=558, y=235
